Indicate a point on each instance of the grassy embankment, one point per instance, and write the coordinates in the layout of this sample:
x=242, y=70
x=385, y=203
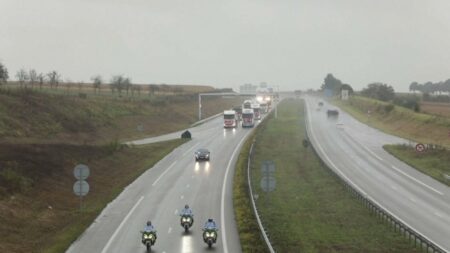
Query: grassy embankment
x=419, y=127
x=43, y=136
x=310, y=210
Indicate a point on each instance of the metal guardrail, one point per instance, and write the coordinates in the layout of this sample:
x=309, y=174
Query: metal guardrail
x=398, y=225
x=255, y=210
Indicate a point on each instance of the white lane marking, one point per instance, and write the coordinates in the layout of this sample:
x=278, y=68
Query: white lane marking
x=170, y=230
x=167, y=170
x=222, y=202
x=111, y=239
x=365, y=147
x=329, y=160
x=176, y=211
x=373, y=153
x=418, y=181
x=438, y=214
x=181, y=197
x=190, y=150
x=413, y=200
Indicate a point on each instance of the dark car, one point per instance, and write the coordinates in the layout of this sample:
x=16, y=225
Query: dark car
x=202, y=154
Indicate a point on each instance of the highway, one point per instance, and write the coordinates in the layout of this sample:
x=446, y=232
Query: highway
x=162, y=191
x=355, y=152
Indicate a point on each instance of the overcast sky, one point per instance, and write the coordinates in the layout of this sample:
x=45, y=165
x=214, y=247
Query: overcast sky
x=226, y=43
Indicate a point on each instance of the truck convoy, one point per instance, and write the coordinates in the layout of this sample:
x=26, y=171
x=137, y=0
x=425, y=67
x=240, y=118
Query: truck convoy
x=247, y=104
x=229, y=119
x=248, y=118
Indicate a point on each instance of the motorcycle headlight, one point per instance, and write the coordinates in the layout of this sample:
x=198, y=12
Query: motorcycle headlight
x=146, y=236
x=185, y=219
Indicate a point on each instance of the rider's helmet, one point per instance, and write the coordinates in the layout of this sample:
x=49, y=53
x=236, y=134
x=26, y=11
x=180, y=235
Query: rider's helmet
x=149, y=223
x=186, y=206
x=210, y=220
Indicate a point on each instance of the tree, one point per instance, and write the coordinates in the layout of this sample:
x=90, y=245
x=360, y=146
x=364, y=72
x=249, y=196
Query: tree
x=97, y=82
x=347, y=87
x=33, y=77
x=117, y=83
x=3, y=74
x=41, y=79
x=127, y=84
x=22, y=77
x=332, y=83
x=413, y=87
x=379, y=91
x=54, y=78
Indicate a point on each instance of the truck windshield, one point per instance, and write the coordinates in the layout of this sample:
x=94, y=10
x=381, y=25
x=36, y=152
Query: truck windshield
x=229, y=116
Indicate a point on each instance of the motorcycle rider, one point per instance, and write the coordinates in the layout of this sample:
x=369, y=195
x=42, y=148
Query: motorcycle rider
x=187, y=211
x=150, y=229
x=210, y=224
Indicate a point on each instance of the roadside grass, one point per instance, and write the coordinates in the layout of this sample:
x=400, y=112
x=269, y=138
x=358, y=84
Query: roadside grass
x=399, y=121
x=433, y=162
x=49, y=211
x=250, y=238
x=34, y=116
x=310, y=209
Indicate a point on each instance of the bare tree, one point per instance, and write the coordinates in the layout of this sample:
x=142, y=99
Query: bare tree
x=97, y=82
x=33, y=77
x=3, y=74
x=41, y=79
x=127, y=84
x=117, y=83
x=54, y=78
x=22, y=77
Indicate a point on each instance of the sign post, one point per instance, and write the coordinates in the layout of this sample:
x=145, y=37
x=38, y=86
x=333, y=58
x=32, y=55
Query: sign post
x=81, y=187
x=420, y=148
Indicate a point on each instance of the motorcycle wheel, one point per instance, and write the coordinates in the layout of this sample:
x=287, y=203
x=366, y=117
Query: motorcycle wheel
x=149, y=247
x=209, y=243
x=186, y=228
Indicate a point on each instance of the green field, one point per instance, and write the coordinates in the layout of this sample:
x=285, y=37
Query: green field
x=310, y=209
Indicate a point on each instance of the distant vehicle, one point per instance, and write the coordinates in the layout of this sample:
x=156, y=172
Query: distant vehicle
x=248, y=118
x=332, y=113
x=264, y=107
x=238, y=110
x=247, y=104
x=257, y=111
x=202, y=154
x=320, y=103
x=229, y=119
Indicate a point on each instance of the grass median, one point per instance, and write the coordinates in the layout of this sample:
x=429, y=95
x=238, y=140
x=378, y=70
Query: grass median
x=310, y=210
x=433, y=162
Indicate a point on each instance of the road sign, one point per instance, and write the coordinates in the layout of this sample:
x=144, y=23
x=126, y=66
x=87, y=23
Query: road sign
x=420, y=147
x=81, y=172
x=268, y=167
x=268, y=184
x=81, y=188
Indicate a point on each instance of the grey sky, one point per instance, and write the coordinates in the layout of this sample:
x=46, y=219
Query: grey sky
x=225, y=43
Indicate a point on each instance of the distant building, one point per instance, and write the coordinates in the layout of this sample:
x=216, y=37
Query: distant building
x=248, y=88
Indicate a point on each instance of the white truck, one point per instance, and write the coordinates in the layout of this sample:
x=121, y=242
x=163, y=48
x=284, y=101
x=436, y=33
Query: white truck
x=248, y=118
x=229, y=119
x=257, y=111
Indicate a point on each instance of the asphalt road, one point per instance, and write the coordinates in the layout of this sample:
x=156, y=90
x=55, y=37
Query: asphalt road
x=355, y=151
x=161, y=192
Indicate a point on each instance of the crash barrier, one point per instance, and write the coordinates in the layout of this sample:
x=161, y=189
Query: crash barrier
x=255, y=210
x=399, y=226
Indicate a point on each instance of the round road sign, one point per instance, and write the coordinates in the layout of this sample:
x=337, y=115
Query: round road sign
x=81, y=188
x=420, y=147
x=81, y=172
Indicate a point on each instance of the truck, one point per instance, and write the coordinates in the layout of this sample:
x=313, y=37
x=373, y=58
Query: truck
x=248, y=118
x=238, y=110
x=257, y=111
x=247, y=104
x=229, y=119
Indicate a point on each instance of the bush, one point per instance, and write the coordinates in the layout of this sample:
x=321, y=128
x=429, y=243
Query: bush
x=410, y=102
x=12, y=181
